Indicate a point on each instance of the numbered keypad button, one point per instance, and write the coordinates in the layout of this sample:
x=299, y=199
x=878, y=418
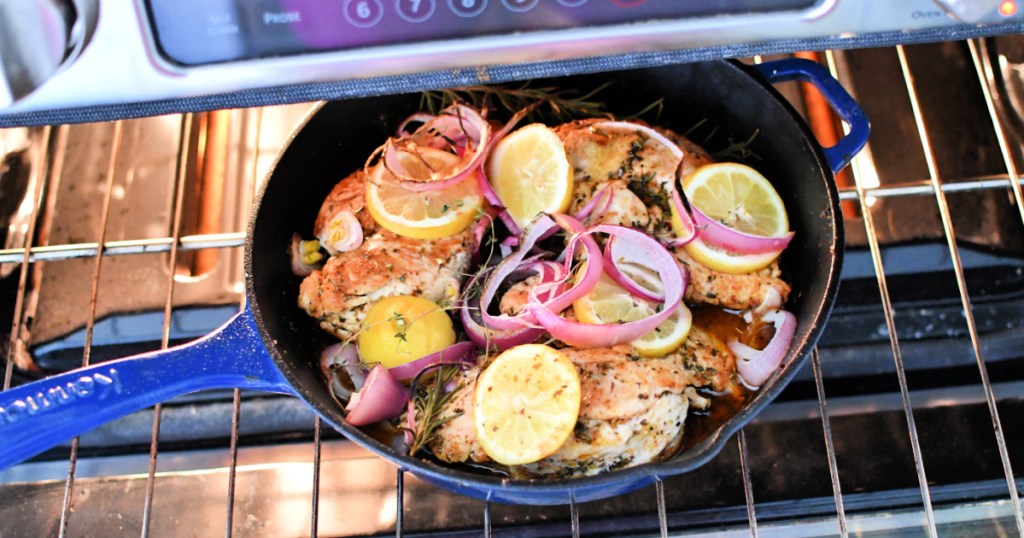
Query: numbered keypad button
x=519, y=5
x=415, y=10
x=363, y=13
x=467, y=8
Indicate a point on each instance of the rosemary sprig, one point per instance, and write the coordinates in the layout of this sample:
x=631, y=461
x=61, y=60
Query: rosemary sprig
x=556, y=104
x=738, y=150
x=430, y=404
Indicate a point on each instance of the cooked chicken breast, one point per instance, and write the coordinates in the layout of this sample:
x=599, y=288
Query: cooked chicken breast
x=349, y=194
x=708, y=362
x=340, y=293
x=632, y=409
x=763, y=289
x=456, y=438
x=638, y=169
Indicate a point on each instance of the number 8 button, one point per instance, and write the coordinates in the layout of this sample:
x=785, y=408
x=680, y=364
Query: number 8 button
x=467, y=8
x=519, y=5
x=363, y=13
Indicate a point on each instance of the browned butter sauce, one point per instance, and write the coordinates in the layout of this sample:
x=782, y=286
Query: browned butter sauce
x=726, y=325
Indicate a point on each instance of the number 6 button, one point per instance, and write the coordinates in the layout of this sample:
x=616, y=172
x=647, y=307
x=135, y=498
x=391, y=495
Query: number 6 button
x=363, y=13
x=415, y=10
x=467, y=8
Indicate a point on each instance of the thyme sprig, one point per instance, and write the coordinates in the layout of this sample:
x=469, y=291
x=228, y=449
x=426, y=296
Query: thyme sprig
x=430, y=404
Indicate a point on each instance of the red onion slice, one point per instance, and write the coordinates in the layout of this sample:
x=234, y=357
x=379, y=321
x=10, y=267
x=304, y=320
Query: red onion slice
x=624, y=260
x=299, y=267
x=756, y=366
x=342, y=233
x=687, y=229
x=588, y=335
x=381, y=398
x=583, y=283
x=344, y=356
x=459, y=131
x=718, y=234
x=419, y=117
x=541, y=227
x=602, y=198
x=455, y=352
x=750, y=260
x=500, y=340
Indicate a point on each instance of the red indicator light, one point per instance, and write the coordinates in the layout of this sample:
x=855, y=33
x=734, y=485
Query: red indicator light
x=1008, y=8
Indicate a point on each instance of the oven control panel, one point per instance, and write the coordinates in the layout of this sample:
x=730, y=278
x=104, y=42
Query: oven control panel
x=124, y=58
x=196, y=32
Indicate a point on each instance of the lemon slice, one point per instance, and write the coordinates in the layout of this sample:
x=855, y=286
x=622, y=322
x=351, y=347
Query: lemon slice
x=530, y=173
x=608, y=302
x=427, y=214
x=526, y=404
x=741, y=198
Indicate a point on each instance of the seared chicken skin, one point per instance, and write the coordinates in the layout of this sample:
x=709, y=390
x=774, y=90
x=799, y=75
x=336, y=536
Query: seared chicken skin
x=632, y=409
x=639, y=170
x=760, y=290
x=385, y=265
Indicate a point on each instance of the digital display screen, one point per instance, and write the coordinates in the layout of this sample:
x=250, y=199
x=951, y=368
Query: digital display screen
x=197, y=32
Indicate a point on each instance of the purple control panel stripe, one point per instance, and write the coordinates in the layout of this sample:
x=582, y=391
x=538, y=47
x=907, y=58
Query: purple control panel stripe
x=197, y=32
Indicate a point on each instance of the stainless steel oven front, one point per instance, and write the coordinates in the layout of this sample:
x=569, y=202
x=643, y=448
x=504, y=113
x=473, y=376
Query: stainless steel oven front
x=124, y=236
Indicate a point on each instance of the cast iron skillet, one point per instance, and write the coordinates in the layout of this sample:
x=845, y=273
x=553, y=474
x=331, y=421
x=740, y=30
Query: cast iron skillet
x=274, y=346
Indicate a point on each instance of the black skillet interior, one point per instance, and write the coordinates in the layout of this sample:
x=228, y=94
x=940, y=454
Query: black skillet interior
x=338, y=138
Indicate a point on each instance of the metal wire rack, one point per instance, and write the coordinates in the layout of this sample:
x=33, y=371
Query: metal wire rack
x=305, y=478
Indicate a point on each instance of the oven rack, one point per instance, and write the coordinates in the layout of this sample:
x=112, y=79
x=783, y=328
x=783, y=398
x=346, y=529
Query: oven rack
x=841, y=514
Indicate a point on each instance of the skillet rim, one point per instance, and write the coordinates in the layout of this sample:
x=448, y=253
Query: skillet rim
x=563, y=490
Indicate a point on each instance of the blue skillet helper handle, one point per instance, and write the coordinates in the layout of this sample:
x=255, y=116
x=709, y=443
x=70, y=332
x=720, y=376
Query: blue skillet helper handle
x=843, y=152
x=40, y=415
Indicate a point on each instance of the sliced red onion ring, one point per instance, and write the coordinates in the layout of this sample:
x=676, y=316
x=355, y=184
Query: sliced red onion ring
x=455, y=352
x=651, y=133
x=439, y=174
x=419, y=117
x=718, y=234
x=299, y=267
x=756, y=366
x=688, y=230
x=590, y=335
x=492, y=339
x=461, y=129
x=381, y=398
x=583, y=283
x=500, y=340
x=342, y=233
x=597, y=205
x=480, y=230
x=623, y=259
x=344, y=355
x=540, y=227
x=749, y=260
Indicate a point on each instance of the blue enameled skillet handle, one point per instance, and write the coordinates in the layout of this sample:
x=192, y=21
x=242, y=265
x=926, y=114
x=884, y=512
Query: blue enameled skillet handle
x=40, y=415
x=842, y=153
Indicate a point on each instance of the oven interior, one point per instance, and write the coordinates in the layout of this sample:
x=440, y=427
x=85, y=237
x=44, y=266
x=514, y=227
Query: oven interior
x=127, y=236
